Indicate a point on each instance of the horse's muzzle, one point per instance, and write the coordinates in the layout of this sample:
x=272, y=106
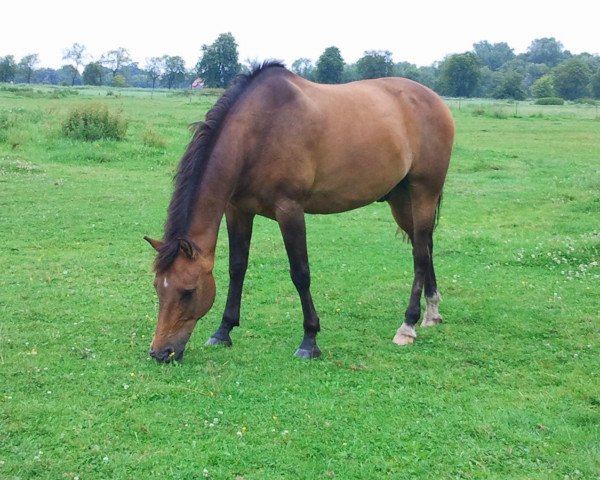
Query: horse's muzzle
x=166, y=355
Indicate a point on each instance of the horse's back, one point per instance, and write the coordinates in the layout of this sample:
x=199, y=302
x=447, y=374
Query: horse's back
x=372, y=134
x=338, y=147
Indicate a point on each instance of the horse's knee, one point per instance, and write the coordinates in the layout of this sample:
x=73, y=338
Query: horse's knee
x=301, y=278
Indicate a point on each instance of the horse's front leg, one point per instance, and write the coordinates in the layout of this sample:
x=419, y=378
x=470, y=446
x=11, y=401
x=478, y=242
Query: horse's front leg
x=239, y=229
x=293, y=229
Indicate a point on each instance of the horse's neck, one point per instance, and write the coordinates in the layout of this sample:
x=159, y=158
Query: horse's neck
x=216, y=189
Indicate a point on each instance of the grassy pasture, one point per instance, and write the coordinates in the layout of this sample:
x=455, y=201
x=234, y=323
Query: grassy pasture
x=507, y=387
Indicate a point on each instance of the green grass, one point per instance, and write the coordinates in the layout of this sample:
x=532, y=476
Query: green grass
x=507, y=387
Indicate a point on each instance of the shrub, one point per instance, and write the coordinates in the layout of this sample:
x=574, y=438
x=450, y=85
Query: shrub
x=92, y=122
x=492, y=113
x=586, y=101
x=5, y=121
x=62, y=93
x=151, y=138
x=497, y=113
x=15, y=138
x=18, y=90
x=550, y=101
x=17, y=119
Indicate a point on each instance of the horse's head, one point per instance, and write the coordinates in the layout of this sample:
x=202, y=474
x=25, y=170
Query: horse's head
x=186, y=291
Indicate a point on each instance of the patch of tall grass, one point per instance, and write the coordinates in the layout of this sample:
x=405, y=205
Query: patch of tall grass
x=91, y=122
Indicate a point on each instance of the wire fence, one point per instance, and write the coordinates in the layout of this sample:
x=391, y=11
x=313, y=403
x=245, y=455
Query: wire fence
x=525, y=108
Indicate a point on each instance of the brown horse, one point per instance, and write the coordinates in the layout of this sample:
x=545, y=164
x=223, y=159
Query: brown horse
x=280, y=146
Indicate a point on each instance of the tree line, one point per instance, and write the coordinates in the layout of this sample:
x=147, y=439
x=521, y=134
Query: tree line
x=492, y=70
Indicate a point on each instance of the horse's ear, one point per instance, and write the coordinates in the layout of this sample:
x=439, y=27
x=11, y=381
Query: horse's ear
x=186, y=247
x=156, y=244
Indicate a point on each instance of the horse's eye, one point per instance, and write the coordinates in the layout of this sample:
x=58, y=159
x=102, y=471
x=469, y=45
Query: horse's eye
x=187, y=294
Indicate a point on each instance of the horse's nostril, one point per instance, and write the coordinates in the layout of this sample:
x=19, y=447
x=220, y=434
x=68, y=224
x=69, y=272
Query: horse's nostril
x=165, y=355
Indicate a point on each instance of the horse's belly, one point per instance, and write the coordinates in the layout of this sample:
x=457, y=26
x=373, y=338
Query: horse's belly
x=351, y=189
x=357, y=166
x=322, y=205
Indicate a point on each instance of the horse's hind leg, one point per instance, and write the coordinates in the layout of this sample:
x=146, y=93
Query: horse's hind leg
x=239, y=229
x=432, y=295
x=414, y=207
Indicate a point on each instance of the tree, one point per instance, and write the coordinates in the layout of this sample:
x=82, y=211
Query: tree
x=155, y=67
x=511, y=86
x=591, y=61
x=489, y=81
x=330, y=66
x=47, y=75
x=27, y=65
x=304, y=67
x=350, y=73
x=571, y=79
x=459, y=75
x=119, y=81
x=375, y=64
x=595, y=84
x=493, y=55
x=543, y=87
x=428, y=75
x=533, y=71
x=174, y=70
x=77, y=54
x=114, y=60
x=407, y=70
x=8, y=68
x=92, y=74
x=135, y=76
x=219, y=63
x=71, y=72
x=545, y=50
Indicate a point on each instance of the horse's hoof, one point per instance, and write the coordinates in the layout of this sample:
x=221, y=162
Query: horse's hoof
x=308, y=353
x=405, y=335
x=400, y=339
x=431, y=321
x=218, y=341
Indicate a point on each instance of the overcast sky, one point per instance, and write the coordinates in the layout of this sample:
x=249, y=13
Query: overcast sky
x=419, y=32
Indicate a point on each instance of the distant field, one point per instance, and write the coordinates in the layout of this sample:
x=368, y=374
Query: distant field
x=507, y=387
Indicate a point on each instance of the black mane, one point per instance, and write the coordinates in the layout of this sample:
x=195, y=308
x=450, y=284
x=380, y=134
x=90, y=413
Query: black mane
x=193, y=165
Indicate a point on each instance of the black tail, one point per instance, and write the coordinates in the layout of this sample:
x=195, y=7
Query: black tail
x=438, y=211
